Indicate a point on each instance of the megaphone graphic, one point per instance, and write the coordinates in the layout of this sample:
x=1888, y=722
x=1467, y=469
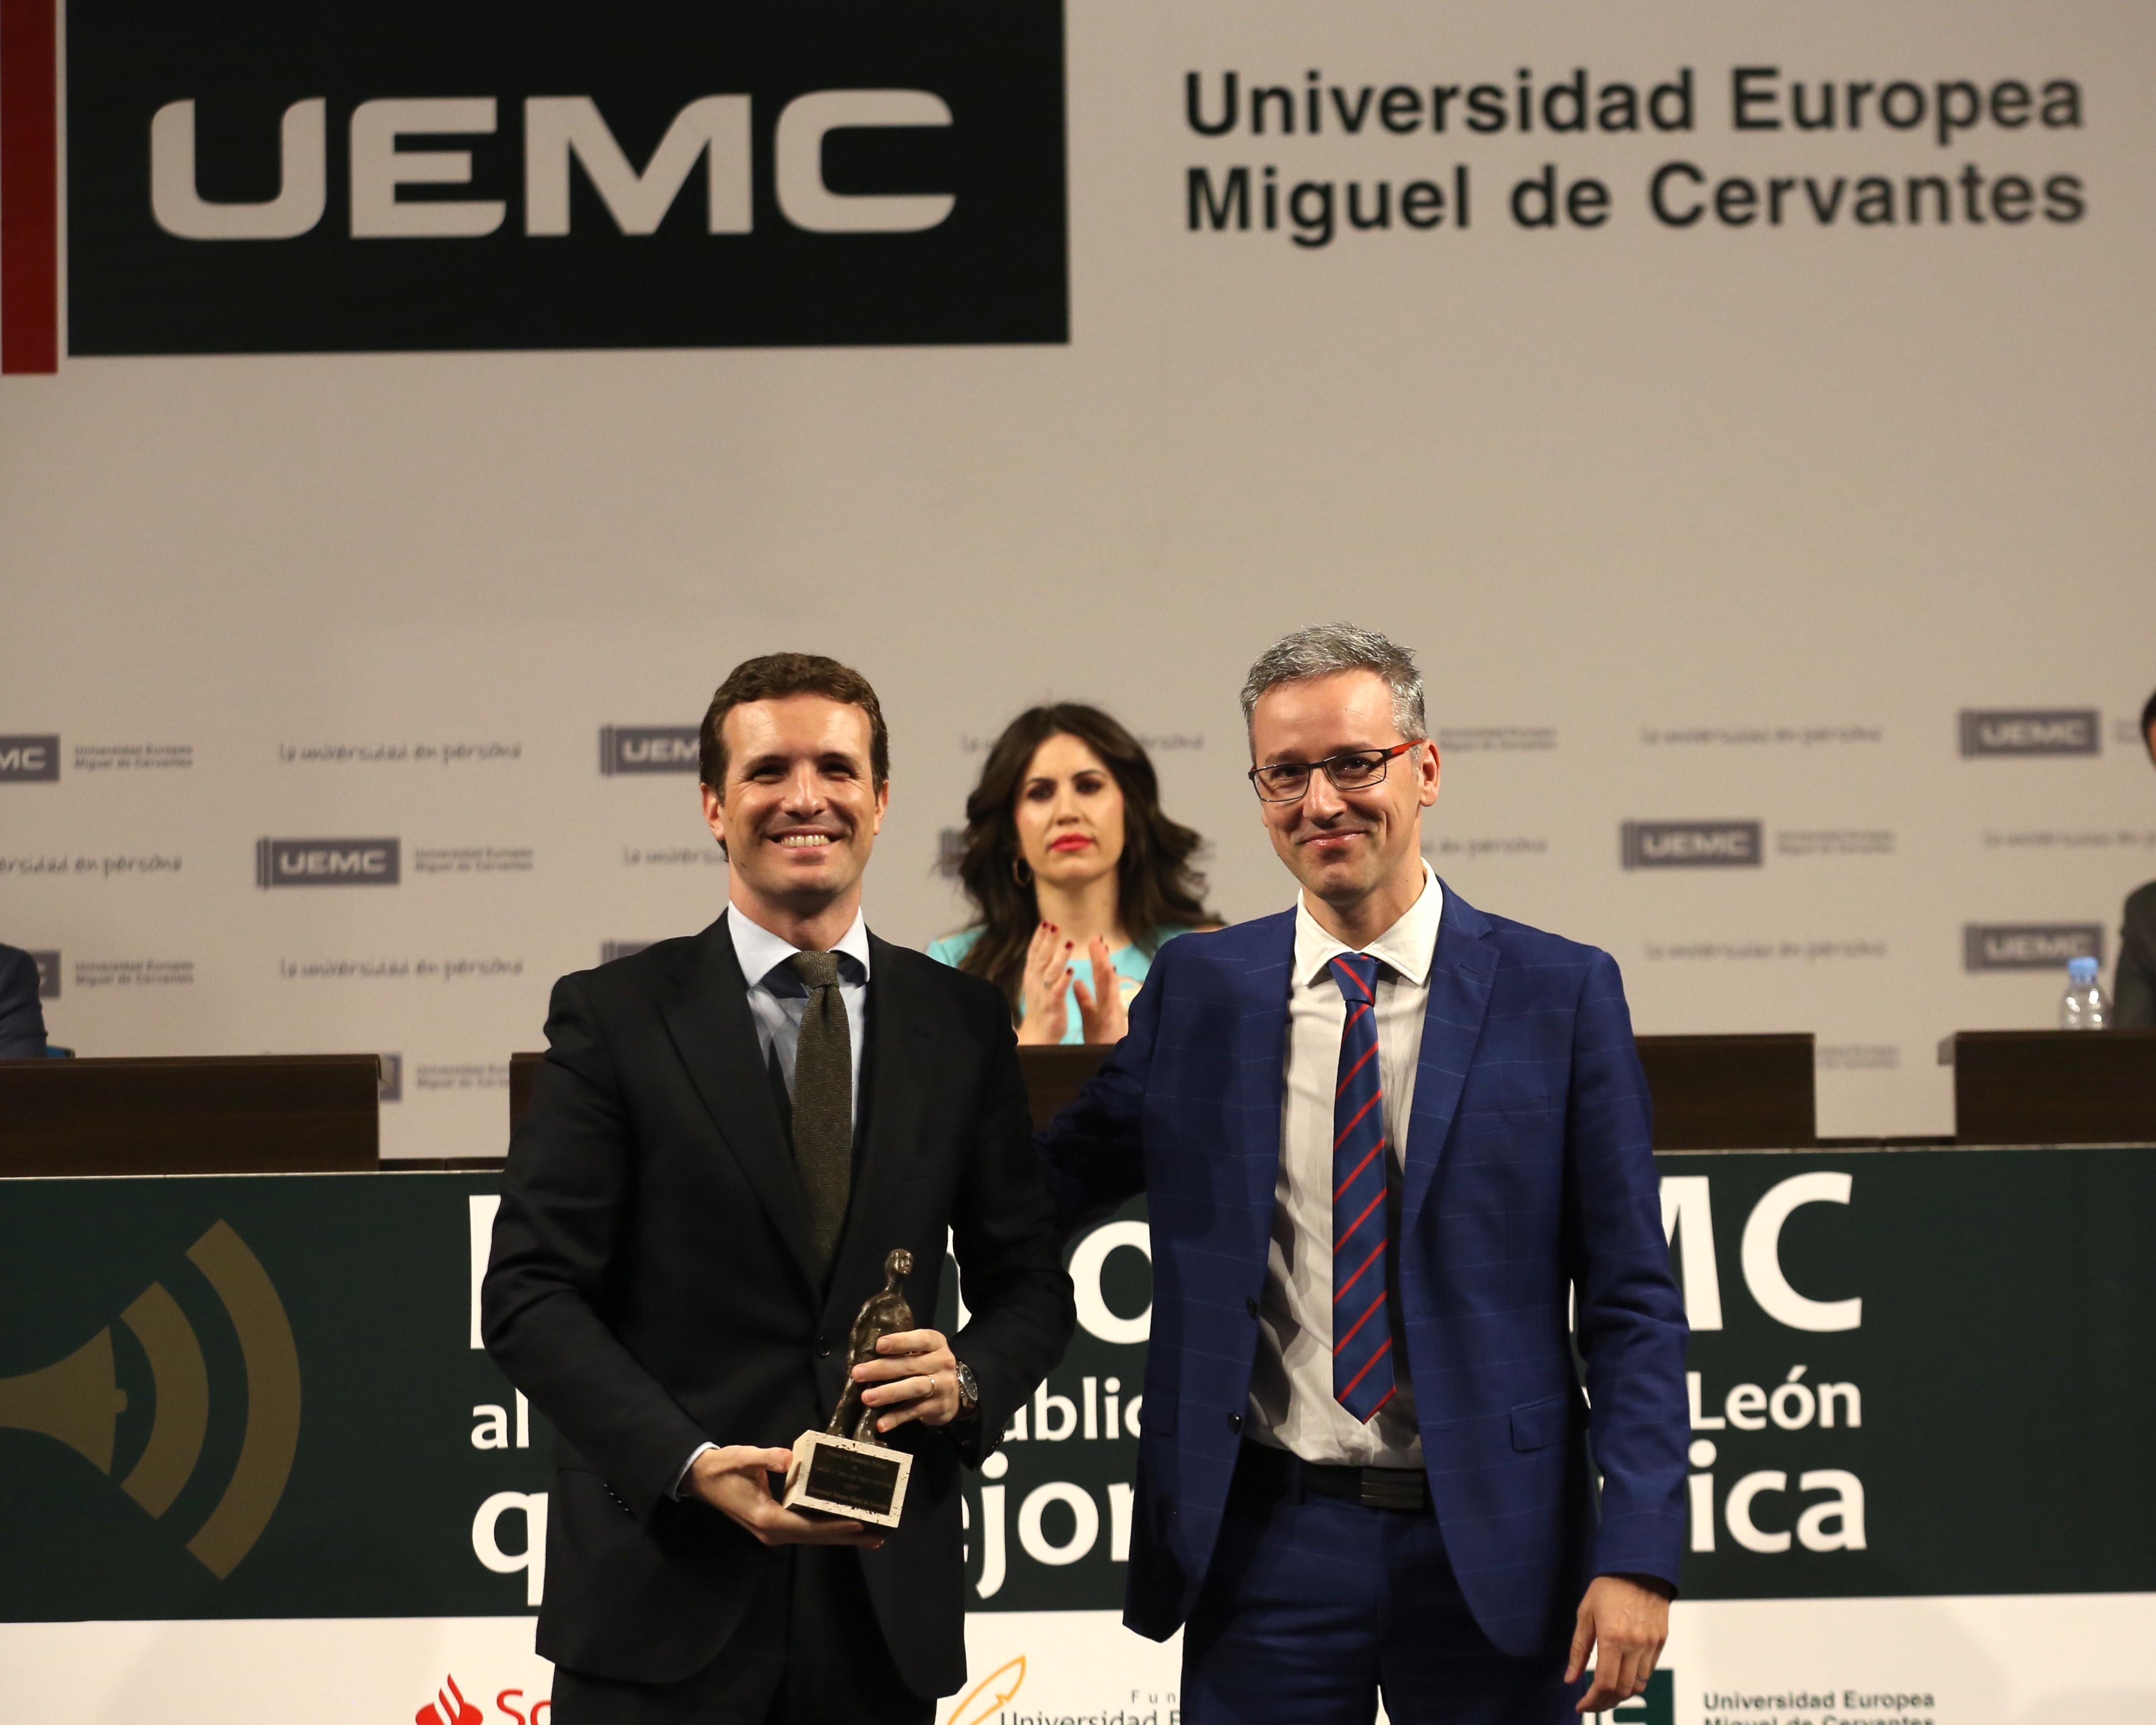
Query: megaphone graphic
x=78, y=1401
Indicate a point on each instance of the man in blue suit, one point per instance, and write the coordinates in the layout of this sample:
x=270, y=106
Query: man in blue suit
x=22, y=1019
x=1386, y=1140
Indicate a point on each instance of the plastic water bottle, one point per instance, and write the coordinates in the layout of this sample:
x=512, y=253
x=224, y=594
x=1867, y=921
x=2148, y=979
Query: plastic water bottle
x=2083, y=1007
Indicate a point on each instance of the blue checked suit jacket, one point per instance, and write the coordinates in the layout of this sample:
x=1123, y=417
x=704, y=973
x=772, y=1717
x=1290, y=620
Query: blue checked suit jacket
x=1528, y=1185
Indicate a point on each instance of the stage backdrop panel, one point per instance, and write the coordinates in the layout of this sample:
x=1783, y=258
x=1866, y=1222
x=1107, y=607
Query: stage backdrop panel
x=1743, y=413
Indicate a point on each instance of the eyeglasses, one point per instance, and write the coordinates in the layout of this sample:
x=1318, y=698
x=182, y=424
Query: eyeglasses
x=1357, y=770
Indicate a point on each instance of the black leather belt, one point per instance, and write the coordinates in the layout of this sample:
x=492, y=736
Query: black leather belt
x=1399, y=1488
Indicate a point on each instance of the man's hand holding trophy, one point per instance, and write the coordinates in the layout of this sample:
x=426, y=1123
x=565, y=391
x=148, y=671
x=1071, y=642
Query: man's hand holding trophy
x=844, y=1485
x=846, y=1470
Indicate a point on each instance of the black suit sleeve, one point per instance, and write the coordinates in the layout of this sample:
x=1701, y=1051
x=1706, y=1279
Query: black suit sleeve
x=22, y=1019
x=1010, y=1268
x=2134, y=985
x=556, y=1266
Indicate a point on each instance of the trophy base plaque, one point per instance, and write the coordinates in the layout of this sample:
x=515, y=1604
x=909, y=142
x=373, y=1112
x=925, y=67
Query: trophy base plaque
x=862, y=1482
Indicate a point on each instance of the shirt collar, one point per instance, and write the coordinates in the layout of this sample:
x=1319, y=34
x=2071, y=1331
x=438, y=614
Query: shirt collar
x=761, y=952
x=1406, y=949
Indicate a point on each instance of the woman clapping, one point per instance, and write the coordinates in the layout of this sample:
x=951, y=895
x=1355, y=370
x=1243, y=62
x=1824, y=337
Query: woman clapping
x=1075, y=875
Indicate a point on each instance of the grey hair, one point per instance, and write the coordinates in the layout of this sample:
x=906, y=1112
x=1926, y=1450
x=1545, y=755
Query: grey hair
x=1327, y=649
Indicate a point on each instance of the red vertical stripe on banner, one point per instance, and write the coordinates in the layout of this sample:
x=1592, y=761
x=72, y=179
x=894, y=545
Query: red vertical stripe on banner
x=30, y=188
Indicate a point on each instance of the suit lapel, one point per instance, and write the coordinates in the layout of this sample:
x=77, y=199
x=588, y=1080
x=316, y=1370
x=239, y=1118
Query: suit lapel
x=895, y=1077
x=1460, y=977
x=1261, y=1059
x=715, y=1034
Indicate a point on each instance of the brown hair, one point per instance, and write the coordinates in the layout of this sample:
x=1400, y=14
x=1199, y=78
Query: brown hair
x=774, y=677
x=1157, y=887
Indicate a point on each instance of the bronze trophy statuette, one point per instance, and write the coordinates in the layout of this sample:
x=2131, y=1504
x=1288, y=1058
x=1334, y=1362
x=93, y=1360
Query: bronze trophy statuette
x=854, y=1473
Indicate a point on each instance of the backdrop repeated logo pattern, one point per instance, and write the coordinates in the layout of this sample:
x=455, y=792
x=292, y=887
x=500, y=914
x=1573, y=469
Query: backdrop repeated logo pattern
x=1693, y=844
x=647, y=748
x=2052, y=731
x=30, y=760
x=2030, y=945
x=327, y=862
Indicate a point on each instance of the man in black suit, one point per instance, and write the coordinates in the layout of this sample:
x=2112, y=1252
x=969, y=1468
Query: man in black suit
x=2134, y=983
x=691, y=1219
x=22, y=1019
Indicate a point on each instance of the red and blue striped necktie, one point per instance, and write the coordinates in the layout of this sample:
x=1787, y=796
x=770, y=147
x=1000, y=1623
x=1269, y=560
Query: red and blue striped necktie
x=1362, y=1328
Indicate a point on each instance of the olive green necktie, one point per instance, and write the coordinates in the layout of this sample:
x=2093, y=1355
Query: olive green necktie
x=823, y=1100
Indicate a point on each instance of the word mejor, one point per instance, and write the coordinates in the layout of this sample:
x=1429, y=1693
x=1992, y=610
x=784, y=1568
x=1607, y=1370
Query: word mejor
x=714, y=129
x=1678, y=194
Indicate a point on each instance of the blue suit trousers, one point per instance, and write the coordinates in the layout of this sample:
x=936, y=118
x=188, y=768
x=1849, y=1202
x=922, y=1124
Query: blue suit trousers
x=1314, y=1605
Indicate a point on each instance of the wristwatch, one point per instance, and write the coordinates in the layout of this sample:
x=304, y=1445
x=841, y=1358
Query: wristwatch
x=969, y=1392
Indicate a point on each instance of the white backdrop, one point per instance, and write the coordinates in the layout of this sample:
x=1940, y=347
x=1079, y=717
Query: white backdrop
x=1722, y=523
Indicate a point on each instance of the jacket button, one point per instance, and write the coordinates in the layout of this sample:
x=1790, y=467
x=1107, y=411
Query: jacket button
x=1250, y=1306
x=1234, y=1422
x=822, y=1348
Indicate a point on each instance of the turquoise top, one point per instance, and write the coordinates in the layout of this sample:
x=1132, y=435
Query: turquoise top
x=1132, y=963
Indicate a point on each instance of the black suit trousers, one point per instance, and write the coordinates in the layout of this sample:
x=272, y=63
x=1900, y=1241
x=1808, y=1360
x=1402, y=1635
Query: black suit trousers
x=810, y=1652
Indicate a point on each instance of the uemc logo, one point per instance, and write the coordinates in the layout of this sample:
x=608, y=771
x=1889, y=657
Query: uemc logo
x=1692, y=843
x=1656, y=1705
x=712, y=131
x=327, y=862
x=248, y=178
x=30, y=760
x=48, y=974
x=2029, y=946
x=648, y=748
x=2055, y=731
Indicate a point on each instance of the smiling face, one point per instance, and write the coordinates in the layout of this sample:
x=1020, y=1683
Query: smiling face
x=1344, y=846
x=799, y=811
x=1070, y=813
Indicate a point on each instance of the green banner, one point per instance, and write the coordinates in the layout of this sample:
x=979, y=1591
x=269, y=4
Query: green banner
x=1913, y=1373
x=364, y=1456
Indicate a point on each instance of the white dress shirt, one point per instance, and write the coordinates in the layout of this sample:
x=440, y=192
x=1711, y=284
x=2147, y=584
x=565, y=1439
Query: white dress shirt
x=1293, y=1405
x=777, y=997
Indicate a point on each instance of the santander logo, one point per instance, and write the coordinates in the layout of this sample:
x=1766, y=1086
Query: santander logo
x=449, y=1707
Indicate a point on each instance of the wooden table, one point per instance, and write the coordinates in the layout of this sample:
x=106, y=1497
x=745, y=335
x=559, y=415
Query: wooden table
x=199, y=1115
x=1710, y=1092
x=2053, y=1086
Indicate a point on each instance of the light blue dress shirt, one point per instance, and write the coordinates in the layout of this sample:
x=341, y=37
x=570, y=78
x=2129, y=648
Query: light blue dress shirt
x=777, y=997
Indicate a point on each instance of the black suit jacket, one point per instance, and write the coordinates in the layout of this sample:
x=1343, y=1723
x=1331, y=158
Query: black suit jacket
x=22, y=1019
x=652, y=1287
x=2134, y=984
